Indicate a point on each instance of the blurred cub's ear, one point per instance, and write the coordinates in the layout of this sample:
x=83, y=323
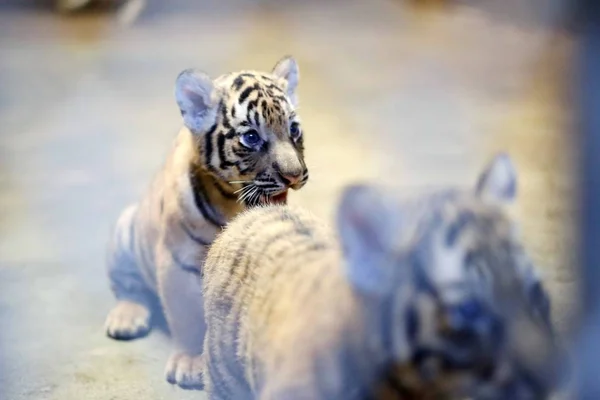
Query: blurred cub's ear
x=498, y=182
x=367, y=223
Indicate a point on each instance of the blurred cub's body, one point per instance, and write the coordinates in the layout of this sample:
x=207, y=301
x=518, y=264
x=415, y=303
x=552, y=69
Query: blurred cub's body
x=423, y=299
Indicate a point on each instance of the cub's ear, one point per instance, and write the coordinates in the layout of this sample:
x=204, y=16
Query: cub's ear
x=367, y=225
x=197, y=100
x=286, y=70
x=498, y=182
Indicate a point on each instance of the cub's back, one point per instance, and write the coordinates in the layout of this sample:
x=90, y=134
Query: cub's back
x=255, y=245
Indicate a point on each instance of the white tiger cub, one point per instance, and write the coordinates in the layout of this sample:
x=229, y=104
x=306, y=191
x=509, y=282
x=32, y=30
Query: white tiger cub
x=430, y=299
x=241, y=145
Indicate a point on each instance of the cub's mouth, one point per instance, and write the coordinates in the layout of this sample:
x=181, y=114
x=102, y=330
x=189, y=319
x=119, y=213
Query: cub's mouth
x=280, y=198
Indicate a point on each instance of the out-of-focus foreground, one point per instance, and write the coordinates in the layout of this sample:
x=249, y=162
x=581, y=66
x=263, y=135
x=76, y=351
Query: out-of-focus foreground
x=408, y=96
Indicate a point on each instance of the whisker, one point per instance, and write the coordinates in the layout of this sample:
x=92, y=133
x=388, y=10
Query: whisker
x=240, y=181
x=241, y=198
x=250, y=199
x=247, y=194
x=240, y=189
x=244, y=192
x=255, y=197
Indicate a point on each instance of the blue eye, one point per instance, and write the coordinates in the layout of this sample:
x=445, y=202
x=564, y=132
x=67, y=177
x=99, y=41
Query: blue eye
x=251, y=138
x=469, y=310
x=295, y=131
x=465, y=314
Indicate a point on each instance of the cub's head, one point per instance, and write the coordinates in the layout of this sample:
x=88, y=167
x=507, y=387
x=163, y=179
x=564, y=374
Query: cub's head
x=460, y=302
x=248, y=133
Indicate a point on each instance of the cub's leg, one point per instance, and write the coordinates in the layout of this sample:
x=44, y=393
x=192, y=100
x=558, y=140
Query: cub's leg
x=181, y=296
x=130, y=318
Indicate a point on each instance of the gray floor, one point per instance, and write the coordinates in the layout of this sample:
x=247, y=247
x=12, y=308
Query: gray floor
x=409, y=97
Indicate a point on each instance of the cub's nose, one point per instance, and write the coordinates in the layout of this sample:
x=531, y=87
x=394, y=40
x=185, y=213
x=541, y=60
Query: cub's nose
x=290, y=178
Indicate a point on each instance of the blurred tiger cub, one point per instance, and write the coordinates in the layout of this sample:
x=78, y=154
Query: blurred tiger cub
x=427, y=299
x=241, y=145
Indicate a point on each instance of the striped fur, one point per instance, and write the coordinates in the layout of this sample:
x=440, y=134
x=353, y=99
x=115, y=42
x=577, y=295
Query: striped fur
x=425, y=299
x=241, y=145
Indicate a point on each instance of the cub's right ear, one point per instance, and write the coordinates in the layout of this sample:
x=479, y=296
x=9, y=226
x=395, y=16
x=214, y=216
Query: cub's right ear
x=368, y=224
x=498, y=182
x=197, y=100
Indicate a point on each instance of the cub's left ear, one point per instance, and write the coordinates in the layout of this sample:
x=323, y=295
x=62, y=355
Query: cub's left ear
x=498, y=182
x=287, y=70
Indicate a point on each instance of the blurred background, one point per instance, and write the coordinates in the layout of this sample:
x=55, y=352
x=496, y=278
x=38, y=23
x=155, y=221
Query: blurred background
x=408, y=93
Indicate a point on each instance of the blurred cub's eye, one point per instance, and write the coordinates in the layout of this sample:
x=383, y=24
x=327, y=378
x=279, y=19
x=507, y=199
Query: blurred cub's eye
x=251, y=138
x=295, y=131
x=469, y=310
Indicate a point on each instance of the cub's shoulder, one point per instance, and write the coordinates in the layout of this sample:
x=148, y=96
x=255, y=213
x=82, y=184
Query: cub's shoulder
x=265, y=220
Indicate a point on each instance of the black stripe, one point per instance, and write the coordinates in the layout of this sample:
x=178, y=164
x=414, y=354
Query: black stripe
x=252, y=105
x=217, y=379
x=230, y=134
x=314, y=247
x=201, y=200
x=241, y=151
x=208, y=146
x=412, y=323
x=215, y=171
x=244, y=95
x=267, y=185
x=223, y=192
x=225, y=118
x=277, y=238
x=238, y=83
x=186, y=267
x=256, y=119
x=248, y=228
x=464, y=220
x=221, y=148
x=273, y=240
x=274, y=87
x=196, y=239
x=299, y=225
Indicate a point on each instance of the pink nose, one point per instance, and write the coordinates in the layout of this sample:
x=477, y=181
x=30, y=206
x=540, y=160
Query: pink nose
x=291, y=179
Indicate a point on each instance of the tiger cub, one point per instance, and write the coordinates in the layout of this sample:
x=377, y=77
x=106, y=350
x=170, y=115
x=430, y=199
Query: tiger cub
x=427, y=299
x=242, y=145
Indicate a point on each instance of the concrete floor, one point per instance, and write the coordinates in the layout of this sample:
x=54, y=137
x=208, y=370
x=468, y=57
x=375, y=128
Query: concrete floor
x=408, y=97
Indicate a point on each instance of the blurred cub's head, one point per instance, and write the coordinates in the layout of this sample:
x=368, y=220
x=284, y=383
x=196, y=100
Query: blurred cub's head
x=463, y=307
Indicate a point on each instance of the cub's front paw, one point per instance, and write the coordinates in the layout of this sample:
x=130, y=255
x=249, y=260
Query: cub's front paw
x=185, y=371
x=128, y=321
